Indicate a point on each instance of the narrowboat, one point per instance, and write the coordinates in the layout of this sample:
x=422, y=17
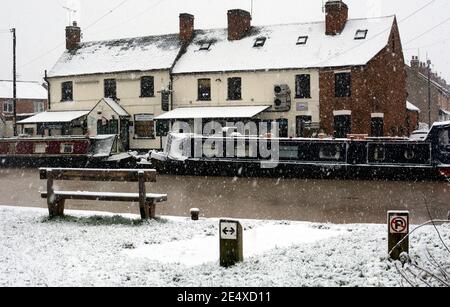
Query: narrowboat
x=66, y=151
x=352, y=158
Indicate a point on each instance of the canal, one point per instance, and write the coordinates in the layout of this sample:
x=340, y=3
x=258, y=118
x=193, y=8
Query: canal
x=334, y=201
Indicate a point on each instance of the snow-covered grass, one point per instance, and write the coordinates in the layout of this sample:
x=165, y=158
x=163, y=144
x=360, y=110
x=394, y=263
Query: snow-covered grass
x=86, y=249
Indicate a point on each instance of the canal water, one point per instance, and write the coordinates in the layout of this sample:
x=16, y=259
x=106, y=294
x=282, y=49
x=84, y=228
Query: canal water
x=334, y=201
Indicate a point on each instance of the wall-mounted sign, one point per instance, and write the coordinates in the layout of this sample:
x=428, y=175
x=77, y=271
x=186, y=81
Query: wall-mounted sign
x=143, y=117
x=302, y=106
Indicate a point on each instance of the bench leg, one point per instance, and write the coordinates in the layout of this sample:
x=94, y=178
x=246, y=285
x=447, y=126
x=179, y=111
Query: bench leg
x=151, y=210
x=144, y=212
x=56, y=208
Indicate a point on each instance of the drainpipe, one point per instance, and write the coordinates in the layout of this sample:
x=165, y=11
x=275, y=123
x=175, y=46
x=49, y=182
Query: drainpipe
x=48, y=90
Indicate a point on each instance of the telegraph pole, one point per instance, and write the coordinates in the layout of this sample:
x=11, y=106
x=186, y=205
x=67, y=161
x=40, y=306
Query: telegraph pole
x=13, y=31
x=429, y=93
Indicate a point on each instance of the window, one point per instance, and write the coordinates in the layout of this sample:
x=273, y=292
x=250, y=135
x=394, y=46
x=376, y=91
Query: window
x=66, y=148
x=342, y=84
x=302, y=40
x=204, y=89
x=38, y=106
x=234, y=89
x=304, y=126
x=330, y=152
x=303, y=86
x=259, y=42
x=205, y=46
x=147, y=87
x=289, y=152
x=377, y=125
x=40, y=148
x=283, y=127
x=110, y=88
x=67, y=91
x=342, y=126
x=444, y=138
x=105, y=126
x=361, y=34
x=8, y=107
x=29, y=131
x=144, y=126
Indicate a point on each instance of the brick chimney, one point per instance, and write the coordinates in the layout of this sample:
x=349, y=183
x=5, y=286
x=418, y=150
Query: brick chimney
x=73, y=36
x=336, y=17
x=415, y=62
x=186, y=28
x=239, y=23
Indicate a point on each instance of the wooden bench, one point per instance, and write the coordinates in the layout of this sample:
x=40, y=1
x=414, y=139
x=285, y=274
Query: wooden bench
x=56, y=199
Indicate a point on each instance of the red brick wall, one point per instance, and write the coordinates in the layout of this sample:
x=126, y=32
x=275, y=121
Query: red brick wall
x=336, y=17
x=186, y=28
x=23, y=106
x=378, y=87
x=239, y=22
x=412, y=121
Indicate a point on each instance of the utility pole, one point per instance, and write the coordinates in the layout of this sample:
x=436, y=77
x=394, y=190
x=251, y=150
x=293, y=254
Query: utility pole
x=13, y=31
x=429, y=93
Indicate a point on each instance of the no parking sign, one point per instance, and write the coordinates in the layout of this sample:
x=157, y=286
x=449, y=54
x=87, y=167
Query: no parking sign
x=398, y=230
x=398, y=224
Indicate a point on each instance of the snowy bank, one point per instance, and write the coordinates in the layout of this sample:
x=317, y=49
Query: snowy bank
x=86, y=249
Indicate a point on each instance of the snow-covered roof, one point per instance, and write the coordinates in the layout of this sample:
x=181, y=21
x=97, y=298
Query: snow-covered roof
x=213, y=112
x=115, y=106
x=411, y=107
x=54, y=117
x=25, y=90
x=281, y=50
x=132, y=54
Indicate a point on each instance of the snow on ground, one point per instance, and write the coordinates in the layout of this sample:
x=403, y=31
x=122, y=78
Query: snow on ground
x=86, y=249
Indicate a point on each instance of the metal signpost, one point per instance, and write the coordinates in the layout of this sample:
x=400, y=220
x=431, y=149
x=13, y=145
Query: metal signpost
x=398, y=230
x=231, y=247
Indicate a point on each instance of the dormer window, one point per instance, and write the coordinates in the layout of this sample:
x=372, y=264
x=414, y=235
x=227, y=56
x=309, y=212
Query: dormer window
x=302, y=40
x=361, y=34
x=205, y=46
x=259, y=42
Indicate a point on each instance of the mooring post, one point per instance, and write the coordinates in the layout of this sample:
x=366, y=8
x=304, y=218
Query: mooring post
x=398, y=230
x=194, y=214
x=231, y=245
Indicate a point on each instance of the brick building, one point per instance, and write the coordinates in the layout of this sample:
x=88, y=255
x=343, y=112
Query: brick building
x=345, y=75
x=417, y=90
x=31, y=99
x=375, y=103
x=337, y=75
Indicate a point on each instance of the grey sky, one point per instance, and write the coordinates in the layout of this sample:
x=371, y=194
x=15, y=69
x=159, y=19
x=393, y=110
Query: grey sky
x=40, y=24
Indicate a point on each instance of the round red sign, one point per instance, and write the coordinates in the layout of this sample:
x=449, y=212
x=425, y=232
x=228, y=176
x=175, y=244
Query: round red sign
x=399, y=224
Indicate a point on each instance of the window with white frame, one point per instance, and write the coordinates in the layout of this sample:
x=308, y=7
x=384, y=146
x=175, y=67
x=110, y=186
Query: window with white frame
x=259, y=42
x=8, y=107
x=361, y=34
x=38, y=106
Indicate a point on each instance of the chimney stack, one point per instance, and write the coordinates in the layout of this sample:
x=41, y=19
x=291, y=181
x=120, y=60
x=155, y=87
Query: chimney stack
x=239, y=23
x=186, y=28
x=336, y=17
x=73, y=36
x=415, y=62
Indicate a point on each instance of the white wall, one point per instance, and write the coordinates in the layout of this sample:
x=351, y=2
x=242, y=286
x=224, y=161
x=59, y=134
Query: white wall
x=89, y=90
x=257, y=89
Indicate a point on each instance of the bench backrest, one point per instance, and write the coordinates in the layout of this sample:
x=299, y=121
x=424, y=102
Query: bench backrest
x=82, y=174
